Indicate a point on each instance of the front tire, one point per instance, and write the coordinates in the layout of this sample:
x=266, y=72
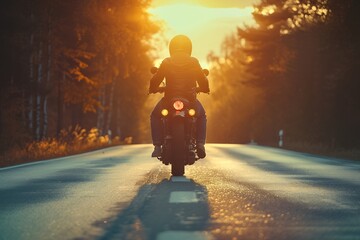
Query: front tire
x=178, y=147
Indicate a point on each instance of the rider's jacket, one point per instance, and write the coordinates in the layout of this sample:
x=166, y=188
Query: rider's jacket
x=182, y=74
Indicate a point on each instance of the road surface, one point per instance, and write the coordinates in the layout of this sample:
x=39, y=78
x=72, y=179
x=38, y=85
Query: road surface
x=237, y=192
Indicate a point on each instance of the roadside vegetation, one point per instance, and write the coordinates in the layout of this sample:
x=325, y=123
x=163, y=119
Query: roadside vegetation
x=71, y=141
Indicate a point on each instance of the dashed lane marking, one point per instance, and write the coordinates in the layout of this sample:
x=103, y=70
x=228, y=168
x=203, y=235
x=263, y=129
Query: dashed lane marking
x=181, y=235
x=179, y=179
x=183, y=197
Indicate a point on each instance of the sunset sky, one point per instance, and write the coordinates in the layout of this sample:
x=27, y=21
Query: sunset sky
x=206, y=22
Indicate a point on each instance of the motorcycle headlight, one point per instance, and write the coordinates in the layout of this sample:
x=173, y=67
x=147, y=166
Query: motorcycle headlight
x=178, y=105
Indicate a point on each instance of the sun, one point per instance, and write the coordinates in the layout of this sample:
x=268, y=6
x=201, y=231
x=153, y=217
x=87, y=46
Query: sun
x=206, y=26
x=188, y=18
x=181, y=18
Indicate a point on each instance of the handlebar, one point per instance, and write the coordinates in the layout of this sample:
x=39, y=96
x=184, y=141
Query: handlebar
x=154, y=70
x=162, y=90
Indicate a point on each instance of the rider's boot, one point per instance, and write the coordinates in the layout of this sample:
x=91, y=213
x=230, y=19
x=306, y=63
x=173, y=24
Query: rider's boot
x=157, y=151
x=200, y=150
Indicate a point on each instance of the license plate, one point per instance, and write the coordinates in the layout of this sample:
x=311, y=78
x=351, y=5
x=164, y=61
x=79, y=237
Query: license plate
x=180, y=113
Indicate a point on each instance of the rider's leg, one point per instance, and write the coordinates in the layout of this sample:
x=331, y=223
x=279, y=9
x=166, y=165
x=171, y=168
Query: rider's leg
x=200, y=130
x=157, y=128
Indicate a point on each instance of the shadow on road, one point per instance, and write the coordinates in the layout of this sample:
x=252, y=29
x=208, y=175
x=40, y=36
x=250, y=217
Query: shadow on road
x=155, y=210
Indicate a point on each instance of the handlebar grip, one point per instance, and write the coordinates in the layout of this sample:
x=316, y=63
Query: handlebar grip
x=157, y=90
x=161, y=89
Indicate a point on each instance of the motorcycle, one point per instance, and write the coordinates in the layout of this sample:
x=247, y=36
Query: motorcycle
x=179, y=128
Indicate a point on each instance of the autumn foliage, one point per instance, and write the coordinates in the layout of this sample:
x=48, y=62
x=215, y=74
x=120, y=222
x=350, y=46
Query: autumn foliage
x=72, y=140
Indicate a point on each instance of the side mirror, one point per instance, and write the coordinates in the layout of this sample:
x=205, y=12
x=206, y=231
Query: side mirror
x=154, y=70
x=206, y=72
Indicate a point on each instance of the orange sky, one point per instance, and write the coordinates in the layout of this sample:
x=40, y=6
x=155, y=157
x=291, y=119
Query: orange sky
x=209, y=3
x=205, y=22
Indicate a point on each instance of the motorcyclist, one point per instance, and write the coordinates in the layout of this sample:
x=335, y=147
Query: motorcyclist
x=184, y=77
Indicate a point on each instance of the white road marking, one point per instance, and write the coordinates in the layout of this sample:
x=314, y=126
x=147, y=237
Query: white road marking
x=179, y=179
x=181, y=235
x=183, y=197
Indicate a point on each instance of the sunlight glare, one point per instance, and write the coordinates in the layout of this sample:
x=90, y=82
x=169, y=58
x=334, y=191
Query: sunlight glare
x=186, y=18
x=207, y=27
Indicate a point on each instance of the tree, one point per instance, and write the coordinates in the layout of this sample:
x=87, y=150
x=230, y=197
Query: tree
x=301, y=58
x=67, y=63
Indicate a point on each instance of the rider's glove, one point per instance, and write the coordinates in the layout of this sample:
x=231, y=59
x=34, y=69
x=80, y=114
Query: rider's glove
x=151, y=90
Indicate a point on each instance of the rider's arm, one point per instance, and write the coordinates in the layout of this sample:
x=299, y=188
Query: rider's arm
x=157, y=78
x=201, y=79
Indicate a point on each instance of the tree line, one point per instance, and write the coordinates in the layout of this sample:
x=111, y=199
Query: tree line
x=67, y=63
x=296, y=70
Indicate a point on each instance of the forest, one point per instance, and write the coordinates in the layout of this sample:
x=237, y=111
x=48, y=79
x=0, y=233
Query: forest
x=70, y=67
x=297, y=71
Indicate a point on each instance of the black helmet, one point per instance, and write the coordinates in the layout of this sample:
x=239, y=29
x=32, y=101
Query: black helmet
x=180, y=43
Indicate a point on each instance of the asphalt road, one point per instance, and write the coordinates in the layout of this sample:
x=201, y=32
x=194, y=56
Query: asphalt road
x=237, y=192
